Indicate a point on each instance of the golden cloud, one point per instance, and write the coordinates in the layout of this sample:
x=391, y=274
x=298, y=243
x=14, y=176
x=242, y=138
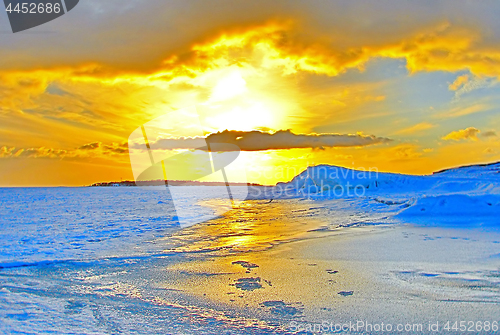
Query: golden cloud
x=459, y=82
x=442, y=47
x=91, y=150
x=416, y=128
x=260, y=50
x=404, y=151
x=463, y=134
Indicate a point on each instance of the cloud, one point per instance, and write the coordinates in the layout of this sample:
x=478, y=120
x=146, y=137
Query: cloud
x=260, y=141
x=281, y=44
x=267, y=51
x=12, y=152
x=6, y=151
x=488, y=151
x=91, y=150
x=478, y=107
x=459, y=82
x=404, y=151
x=294, y=35
x=416, y=128
x=463, y=134
x=110, y=86
x=471, y=84
x=489, y=133
x=115, y=148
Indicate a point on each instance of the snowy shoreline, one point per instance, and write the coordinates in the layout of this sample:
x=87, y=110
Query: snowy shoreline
x=111, y=260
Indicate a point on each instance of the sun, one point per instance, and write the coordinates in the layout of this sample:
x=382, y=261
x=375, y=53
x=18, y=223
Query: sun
x=234, y=106
x=229, y=86
x=245, y=117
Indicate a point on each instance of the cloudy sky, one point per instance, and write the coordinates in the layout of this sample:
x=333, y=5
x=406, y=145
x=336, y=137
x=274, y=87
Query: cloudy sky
x=401, y=86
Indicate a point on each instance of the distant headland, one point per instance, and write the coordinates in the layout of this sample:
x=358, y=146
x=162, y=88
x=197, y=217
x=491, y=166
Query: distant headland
x=129, y=183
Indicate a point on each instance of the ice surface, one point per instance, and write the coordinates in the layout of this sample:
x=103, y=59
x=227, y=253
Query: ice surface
x=43, y=225
x=66, y=255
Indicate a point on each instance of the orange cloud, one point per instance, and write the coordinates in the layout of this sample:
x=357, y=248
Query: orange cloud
x=442, y=47
x=281, y=45
x=463, y=134
x=416, y=128
x=461, y=110
x=274, y=49
x=404, y=152
x=459, y=82
x=95, y=149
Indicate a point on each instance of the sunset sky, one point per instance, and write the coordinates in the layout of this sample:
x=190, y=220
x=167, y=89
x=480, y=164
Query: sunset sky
x=412, y=86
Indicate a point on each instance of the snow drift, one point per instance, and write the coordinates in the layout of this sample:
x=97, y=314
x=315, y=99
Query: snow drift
x=463, y=196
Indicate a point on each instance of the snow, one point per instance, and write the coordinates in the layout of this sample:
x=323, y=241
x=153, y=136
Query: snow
x=466, y=196
x=116, y=260
x=44, y=225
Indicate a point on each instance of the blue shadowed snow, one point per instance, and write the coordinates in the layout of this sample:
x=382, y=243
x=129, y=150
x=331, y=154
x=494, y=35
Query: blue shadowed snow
x=59, y=224
x=465, y=196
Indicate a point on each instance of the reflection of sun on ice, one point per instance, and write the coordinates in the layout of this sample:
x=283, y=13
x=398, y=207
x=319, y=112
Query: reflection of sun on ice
x=254, y=116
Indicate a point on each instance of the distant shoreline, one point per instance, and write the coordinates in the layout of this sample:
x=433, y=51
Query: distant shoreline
x=128, y=183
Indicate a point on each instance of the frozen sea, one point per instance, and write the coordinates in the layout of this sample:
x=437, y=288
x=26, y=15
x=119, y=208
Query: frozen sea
x=116, y=260
x=62, y=248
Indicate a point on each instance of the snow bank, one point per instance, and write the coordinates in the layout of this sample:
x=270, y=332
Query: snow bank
x=455, y=209
x=464, y=196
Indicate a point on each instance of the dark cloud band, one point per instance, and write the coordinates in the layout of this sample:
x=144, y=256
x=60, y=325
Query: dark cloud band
x=260, y=141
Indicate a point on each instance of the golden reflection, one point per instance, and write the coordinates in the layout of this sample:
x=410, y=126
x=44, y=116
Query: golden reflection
x=251, y=226
x=241, y=258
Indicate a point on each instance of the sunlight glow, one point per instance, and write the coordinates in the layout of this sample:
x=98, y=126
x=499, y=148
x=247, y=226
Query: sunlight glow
x=249, y=118
x=229, y=87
